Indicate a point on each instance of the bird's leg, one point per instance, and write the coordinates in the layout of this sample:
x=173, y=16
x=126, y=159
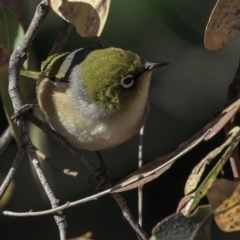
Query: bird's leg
x=100, y=175
x=25, y=111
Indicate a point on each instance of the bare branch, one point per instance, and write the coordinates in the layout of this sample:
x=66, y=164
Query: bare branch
x=140, y=189
x=12, y=171
x=129, y=217
x=5, y=139
x=16, y=61
x=60, y=208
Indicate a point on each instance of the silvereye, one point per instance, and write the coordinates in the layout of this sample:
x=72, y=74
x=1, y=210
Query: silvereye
x=95, y=97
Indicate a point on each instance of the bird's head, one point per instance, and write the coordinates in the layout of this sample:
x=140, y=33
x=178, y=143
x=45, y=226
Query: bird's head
x=113, y=78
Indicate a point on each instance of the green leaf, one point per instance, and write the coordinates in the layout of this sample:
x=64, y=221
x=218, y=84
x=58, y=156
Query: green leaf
x=179, y=227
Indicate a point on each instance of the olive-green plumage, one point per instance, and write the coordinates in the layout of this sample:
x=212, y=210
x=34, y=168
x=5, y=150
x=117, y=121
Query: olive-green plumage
x=103, y=69
x=95, y=97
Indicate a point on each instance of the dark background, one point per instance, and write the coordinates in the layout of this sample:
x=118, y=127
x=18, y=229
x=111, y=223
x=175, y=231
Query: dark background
x=184, y=97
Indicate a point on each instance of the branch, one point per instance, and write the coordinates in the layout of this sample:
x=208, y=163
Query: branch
x=16, y=61
x=60, y=208
x=12, y=171
x=129, y=217
x=5, y=139
x=140, y=189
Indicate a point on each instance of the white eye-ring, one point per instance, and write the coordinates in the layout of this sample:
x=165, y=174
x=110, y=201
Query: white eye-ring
x=127, y=81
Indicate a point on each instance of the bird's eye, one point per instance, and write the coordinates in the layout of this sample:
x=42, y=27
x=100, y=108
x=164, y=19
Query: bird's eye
x=127, y=81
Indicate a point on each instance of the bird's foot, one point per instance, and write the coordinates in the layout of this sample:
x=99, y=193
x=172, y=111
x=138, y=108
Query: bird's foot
x=100, y=176
x=24, y=112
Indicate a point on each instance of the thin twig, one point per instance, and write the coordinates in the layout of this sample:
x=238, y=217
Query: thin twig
x=48, y=160
x=16, y=61
x=140, y=189
x=62, y=38
x=129, y=217
x=60, y=208
x=5, y=139
x=12, y=171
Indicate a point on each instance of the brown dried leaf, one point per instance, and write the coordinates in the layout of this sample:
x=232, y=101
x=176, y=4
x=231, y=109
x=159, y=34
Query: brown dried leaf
x=223, y=25
x=88, y=16
x=224, y=196
x=226, y=115
x=158, y=166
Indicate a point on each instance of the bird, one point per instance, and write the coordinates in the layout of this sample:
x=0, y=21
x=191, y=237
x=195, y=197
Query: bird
x=95, y=97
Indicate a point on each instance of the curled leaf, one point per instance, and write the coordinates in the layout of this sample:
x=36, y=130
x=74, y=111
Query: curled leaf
x=88, y=16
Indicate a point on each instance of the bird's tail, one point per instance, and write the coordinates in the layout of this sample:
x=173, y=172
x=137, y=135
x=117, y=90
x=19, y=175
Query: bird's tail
x=30, y=74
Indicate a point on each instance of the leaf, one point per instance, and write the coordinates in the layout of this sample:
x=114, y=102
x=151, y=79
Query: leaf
x=158, y=166
x=179, y=227
x=198, y=170
x=233, y=141
x=224, y=197
x=88, y=16
x=223, y=25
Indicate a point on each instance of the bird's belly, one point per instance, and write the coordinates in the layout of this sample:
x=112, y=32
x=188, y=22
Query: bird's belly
x=102, y=134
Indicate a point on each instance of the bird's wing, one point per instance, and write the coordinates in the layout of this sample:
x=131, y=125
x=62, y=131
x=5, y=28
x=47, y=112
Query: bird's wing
x=50, y=67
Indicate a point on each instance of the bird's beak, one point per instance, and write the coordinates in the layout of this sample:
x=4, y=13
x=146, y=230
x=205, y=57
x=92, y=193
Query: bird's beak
x=151, y=66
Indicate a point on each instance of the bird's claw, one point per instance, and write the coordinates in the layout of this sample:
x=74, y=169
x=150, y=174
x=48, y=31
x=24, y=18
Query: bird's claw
x=100, y=176
x=25, y=112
